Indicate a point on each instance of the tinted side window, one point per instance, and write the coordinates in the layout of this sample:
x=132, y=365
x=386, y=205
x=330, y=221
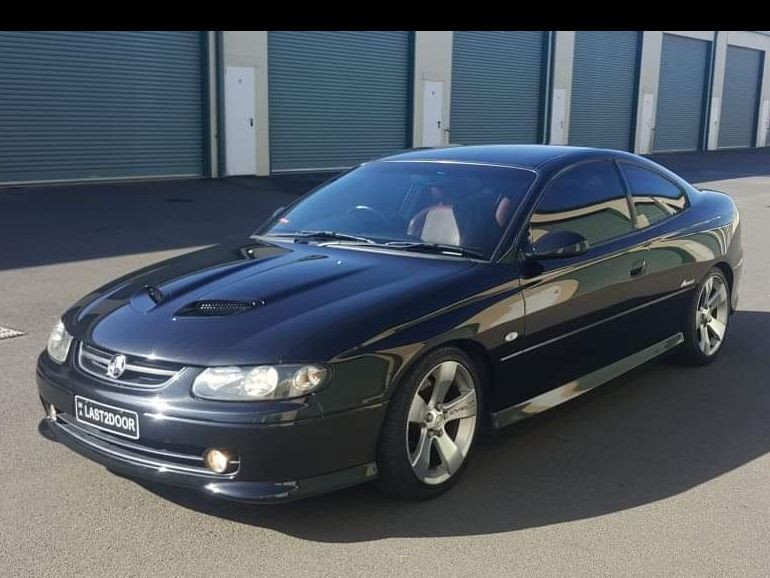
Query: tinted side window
x=655, y=197
x=590, y=199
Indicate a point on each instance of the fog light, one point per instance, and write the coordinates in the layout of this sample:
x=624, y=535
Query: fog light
x=51, y=411
x=217, y=460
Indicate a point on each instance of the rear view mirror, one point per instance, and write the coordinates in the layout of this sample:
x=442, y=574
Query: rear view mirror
x=556, y=245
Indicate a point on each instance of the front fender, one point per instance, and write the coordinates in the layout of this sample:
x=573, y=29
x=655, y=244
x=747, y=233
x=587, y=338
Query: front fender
x=371, y=372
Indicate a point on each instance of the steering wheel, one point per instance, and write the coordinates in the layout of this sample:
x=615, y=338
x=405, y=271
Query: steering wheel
x=369, y=210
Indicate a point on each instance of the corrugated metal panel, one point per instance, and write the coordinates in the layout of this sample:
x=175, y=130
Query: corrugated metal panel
x=497, y=84
x=337, y=98
x=681, y=107
x=740, y=97
x=81, y=105
x=604, y=76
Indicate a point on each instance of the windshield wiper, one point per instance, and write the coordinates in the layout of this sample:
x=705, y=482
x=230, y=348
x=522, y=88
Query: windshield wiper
x=305, y=236
x=416, y=246
x=439, y=248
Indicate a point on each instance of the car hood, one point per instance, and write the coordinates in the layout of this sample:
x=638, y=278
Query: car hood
x=305, y=303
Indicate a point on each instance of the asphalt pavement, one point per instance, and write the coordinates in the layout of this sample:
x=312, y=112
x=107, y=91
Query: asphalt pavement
x=664, y=471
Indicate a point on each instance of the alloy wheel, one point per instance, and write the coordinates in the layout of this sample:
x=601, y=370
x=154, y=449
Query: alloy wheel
x=711, y=315
x=441, y=422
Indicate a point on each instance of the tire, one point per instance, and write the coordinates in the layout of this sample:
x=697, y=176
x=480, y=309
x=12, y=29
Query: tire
x=419, y=431
x=701, y=348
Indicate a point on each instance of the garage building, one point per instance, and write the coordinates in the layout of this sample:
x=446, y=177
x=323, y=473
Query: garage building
x=78, y=106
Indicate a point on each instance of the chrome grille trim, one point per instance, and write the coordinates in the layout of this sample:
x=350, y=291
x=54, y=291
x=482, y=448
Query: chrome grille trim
x=136, y=374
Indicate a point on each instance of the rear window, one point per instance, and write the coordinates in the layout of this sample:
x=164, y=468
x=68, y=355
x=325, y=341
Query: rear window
x=656, y=198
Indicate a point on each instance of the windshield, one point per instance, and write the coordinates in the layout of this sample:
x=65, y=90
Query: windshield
x=407, y=203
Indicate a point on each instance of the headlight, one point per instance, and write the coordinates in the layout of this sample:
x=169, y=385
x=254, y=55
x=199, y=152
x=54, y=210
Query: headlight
x=59, y=343
x=259, y=383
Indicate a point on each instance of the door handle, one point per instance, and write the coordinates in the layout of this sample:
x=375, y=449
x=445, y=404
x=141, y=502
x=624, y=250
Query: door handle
x=638, y=268
x=251, y=121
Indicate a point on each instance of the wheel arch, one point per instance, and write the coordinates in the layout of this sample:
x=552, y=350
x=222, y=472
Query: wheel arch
x=479, y=354
x=728, y=273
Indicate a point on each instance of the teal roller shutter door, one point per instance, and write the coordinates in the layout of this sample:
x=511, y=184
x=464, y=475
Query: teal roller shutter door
x=337, y=98
x=740, y=97
x=681, y=106
x=497, y=87
x=91, y=105
x=604, y=81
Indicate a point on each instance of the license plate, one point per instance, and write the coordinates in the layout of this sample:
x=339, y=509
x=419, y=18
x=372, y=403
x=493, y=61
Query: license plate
x=122, y=422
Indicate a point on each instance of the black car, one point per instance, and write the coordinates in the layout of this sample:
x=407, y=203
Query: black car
x=372, y=329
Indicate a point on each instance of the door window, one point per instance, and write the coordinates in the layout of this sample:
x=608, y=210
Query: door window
x=589, y=199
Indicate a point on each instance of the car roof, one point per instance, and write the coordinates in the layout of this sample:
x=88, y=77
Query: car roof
x=524, y=156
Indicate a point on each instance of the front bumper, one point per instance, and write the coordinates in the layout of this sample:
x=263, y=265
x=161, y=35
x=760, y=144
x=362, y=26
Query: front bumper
x=280, y=461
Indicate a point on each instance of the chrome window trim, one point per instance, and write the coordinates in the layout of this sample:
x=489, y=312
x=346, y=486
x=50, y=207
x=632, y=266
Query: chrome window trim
x=458, y=162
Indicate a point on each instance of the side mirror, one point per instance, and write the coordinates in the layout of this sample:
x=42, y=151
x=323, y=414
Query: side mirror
x=556, y=245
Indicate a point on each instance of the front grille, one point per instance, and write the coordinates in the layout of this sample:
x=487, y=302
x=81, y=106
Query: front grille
x=183, y=459
x=139, y=372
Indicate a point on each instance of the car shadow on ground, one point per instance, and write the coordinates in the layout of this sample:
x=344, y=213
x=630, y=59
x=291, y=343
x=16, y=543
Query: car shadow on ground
x=64, y=223
x=656, y=432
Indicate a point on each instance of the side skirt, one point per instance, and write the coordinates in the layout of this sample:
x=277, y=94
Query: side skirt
x=582, y=384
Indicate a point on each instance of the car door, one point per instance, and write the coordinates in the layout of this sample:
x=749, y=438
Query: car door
x=674, y=259
x=578, y=310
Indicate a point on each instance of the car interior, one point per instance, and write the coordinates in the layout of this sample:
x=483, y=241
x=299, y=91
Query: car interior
x=450, y=217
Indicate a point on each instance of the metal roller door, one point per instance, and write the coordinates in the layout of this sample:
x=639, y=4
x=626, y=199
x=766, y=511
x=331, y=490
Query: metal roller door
x=684, y=72
x=337, y=98
x=604, y=81
x=740, y=97
x=95, y=105
x=497, y=87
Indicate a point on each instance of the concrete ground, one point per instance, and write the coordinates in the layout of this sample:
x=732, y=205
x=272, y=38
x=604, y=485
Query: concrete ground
x=662, y=472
